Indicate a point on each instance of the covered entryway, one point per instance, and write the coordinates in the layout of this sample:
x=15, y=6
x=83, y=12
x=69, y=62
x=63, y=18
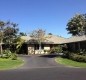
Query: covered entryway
x=34, y=48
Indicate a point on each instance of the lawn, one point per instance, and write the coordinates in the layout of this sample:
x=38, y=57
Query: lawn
x=10, y=64
x=71, y=63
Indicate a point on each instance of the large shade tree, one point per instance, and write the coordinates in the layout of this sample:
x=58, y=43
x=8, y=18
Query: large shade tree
x=77, y=25
x=10, y=33
x=39, y=36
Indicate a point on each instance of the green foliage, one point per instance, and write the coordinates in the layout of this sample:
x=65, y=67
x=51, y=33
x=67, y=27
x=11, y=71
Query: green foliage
x=77, y=25
x=10, y=32
x=66, y=54
x=19, y=42
x=7, y=53
x=71, y=63
x=14, y=56
x=46, y=51
x=57, y=49
x=82, y=52
x=22, y=34
x=79, y=58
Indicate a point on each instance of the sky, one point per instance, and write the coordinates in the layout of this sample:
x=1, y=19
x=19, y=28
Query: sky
x=49, y=15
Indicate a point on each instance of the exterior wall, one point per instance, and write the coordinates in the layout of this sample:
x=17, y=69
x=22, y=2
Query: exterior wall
x=47, y=47
x=39, y=52
x=31, y=49
x=76, y=46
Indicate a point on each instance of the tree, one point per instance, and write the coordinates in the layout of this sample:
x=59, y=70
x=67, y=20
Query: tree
x=19, y=42
x=10, y=33
x=39, y=36
x=22, y=34
x=2, y=26
x=50, y=34
x=77, y=25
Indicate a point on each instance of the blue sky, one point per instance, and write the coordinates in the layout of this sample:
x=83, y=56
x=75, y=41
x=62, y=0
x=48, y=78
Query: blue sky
x=50, y=15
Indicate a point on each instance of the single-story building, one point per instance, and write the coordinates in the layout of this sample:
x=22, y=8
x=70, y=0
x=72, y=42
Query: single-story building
x=76, y=43
x=32, y=45
x=73, y=43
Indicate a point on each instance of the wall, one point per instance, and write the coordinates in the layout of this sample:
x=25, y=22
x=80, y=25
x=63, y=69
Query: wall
x=30, y=49
x=47, y=47
x=76, y=46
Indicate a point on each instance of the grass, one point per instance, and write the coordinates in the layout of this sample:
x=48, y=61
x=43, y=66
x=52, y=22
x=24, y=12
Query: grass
x=10, y=64
x=68, y=62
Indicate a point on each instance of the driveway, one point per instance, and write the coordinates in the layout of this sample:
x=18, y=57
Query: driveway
x=43, y=68
x=37, y=61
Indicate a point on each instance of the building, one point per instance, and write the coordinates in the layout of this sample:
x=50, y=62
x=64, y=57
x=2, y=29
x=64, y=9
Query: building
x=74, y=43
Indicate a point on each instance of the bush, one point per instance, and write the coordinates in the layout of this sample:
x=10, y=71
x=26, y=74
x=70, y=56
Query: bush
x=75, y=56
x=66, y=54
x=57, y=49
x=14, y=56
x=79, y=58
x=6, y=54
x=46, y=51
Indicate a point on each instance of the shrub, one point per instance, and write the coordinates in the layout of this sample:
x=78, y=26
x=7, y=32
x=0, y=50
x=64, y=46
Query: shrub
x=79, y=58
x=57, y=49
x=6, y=53
x=14, y=56
x=75, y=56
x=46, y=51
x=66, y=54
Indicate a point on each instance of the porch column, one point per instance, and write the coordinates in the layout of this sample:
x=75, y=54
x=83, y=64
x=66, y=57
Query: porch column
x=74, y=46
x=79, y=45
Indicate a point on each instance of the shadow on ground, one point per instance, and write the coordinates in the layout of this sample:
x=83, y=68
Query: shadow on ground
x=49, y=55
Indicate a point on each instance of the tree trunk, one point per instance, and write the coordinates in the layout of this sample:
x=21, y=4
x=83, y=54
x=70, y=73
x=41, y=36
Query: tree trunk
x=40, y=48
x=1, y=49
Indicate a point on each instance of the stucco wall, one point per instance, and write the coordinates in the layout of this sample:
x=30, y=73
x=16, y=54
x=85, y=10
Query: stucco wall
x=47, y=47
x=31, y=49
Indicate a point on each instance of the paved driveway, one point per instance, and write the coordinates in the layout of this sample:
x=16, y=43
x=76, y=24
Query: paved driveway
x=37, y=61
x=43, y=68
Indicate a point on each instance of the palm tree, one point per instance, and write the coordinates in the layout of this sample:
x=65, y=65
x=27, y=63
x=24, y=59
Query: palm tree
x=19, y=43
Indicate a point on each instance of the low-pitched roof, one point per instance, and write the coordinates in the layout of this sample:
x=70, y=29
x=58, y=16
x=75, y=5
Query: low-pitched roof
x=26, y=38
x=75, y=39
x=53, y=39
x=56, y=39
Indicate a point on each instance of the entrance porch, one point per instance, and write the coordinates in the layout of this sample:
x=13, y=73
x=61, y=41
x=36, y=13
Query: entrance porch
x=34, y=49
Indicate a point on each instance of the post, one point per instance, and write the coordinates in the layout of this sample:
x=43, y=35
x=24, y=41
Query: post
x=1, y=48
x=79, y=45
x=74, y=46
